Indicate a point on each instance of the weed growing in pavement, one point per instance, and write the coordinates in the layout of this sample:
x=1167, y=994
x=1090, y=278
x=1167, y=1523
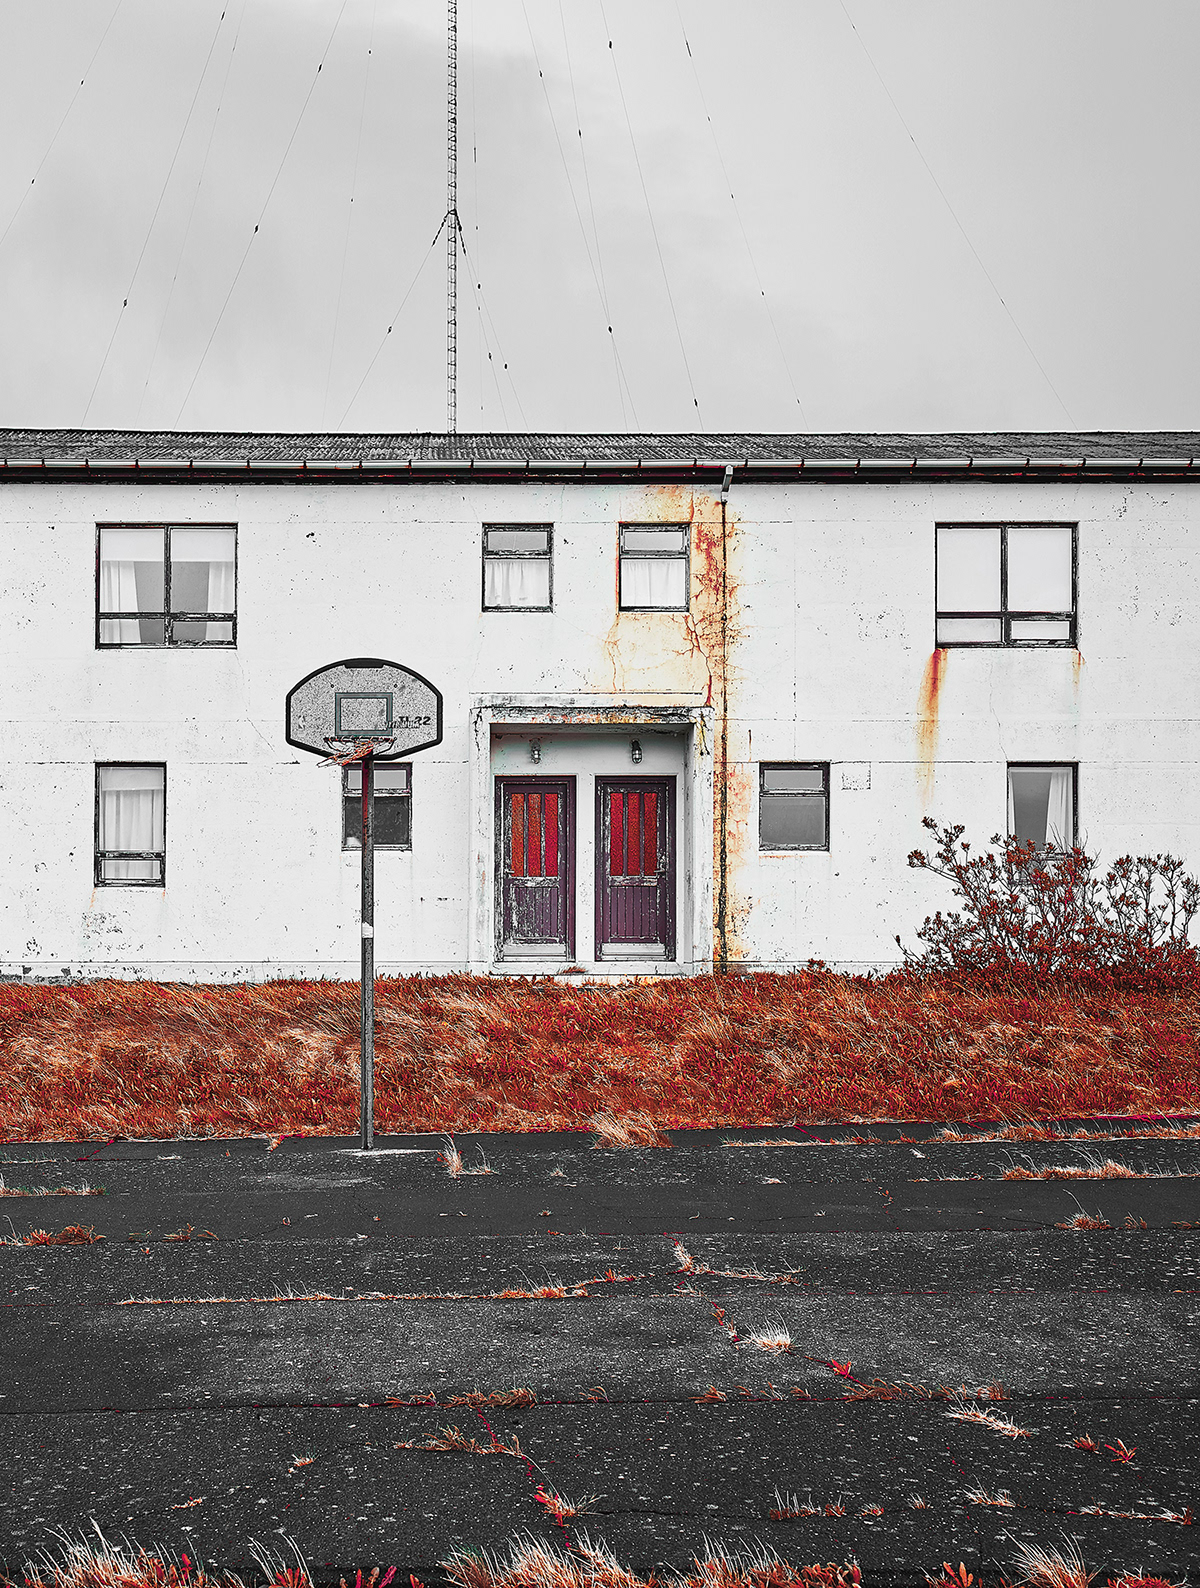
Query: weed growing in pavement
x=1053, y=1568
x=1091, y=1169
x=964, y=1411
x=560, y=1508
x=453, y=1159
x=773, y=1338
x=980, y=1496
x=1084, y=1221
x=73, y=1235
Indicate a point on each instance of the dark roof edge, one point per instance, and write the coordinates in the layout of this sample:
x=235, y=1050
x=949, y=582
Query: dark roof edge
x=175, y=457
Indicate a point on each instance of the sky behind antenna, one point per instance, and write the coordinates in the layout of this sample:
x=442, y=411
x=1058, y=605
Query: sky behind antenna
x=961, y=217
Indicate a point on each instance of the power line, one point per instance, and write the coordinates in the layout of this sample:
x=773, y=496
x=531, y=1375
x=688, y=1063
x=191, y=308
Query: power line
x=337, y=313
x=187, y=230
x=50, y=146
x=149, y=230
x=650, y=212
x=482, y=307
x=399, y=310
x=953, y=216
x=762, y=291
x=262, y=212
x=596, y=265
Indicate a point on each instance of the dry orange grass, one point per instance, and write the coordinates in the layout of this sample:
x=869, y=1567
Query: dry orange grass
x=459, y=1053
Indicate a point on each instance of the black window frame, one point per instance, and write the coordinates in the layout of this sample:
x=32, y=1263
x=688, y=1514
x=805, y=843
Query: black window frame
x=684, y=556
x=99, y=856
x=823, y=794
x=546, y=556
x=1005, y=614
x=1048, y=766
x=354, y=802
x=166, y=616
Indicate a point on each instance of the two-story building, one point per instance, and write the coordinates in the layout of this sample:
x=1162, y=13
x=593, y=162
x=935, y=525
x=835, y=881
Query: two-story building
x=699, y=691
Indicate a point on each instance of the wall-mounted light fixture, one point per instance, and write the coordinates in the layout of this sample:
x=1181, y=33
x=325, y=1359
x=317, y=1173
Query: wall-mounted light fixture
x=635, y=750
x=535, y=751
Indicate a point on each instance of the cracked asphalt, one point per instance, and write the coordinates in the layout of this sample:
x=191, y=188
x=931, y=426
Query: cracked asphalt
x=755, y=1337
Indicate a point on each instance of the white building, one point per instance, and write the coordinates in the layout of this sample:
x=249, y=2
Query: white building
x=679, y=731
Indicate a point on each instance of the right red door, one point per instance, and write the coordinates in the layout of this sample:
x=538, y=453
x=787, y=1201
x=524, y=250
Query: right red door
x=635, y=868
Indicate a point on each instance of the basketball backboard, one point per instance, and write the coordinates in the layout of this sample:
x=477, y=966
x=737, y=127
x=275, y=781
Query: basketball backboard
x=364, y=697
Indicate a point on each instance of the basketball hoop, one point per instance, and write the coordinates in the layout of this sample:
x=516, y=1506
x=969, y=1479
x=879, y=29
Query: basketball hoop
x=344, y=751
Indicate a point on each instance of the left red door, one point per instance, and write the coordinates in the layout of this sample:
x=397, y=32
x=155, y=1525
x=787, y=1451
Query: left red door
x=535, y=868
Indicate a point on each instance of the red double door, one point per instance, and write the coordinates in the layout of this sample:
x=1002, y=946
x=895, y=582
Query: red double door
x=635, y=868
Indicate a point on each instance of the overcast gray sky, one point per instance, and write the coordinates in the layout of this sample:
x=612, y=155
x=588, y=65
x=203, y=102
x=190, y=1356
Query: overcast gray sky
x=946, y=215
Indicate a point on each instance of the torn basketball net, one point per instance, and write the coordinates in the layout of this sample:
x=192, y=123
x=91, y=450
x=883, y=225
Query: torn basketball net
x=343, y=751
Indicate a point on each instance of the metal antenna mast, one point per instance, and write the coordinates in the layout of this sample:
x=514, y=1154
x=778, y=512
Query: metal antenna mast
x=452, y=216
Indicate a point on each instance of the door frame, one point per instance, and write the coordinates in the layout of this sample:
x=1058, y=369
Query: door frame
x=666, y=782
x=567, y=785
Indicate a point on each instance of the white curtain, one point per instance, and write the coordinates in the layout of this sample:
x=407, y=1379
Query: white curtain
x=654, y=582
x=220, y=598
x=118, y=593
x=1059, y=824
x=516, y=581
x=131, y=818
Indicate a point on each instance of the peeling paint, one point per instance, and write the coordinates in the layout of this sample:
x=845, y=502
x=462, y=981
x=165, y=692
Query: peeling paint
x=928, y=703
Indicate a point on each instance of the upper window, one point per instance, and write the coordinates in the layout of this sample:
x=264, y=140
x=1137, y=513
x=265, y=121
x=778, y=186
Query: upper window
x=793, y=806
x=655, y=573
x=131, y=841
x=166, y=584
x=516, y=567
x=393, y=806
x=1005, y=584
x=1041, y=804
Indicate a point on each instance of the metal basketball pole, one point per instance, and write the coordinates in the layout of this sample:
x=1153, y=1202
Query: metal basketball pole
x=367, y=969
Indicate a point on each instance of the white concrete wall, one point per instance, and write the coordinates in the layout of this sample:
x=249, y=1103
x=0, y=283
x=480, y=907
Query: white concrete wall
x=831, y=633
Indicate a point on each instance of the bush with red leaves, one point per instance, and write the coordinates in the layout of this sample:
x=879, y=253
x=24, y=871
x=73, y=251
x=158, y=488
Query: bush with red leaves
x=1026, y=906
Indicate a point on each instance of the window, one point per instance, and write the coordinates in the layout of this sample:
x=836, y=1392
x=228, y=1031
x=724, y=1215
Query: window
x=793, y=806
x=516, y=567
x=1005, y=584
x=1042, y=804
x=131, y=825
x=655, y=575
x=166, y=584
x=393, y=806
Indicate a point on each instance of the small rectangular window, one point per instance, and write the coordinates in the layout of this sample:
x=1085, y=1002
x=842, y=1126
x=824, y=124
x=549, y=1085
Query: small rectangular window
x=393, y=806
x=131, y=843
x=517, y=567
x=793, y=806
x=655, y=569
x=1006, y=584
x=166, y=584
x=1042, y=803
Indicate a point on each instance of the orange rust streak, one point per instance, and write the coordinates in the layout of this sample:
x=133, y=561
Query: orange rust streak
x=928, y=701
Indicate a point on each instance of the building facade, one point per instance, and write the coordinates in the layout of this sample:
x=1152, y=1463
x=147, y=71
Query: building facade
x=699, y=692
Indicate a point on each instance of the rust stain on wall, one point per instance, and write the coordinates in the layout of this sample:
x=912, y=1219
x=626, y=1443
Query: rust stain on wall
x=695, y=652
x=928, y=702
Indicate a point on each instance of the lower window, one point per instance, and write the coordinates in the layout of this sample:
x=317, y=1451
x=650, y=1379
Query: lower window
x=131, y=842
x=793, y=805
x=393, y=806
x=1042, y=803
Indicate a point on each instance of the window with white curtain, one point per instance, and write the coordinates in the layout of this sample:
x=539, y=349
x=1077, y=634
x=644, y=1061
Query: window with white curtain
x=1006, y=584
x=517, y=567
x=655, y=573
x=166, y=584
x=1041, y=804
x=131, y=841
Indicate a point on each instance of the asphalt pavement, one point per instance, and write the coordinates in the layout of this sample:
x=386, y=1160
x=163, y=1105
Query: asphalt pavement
x=839, y=1349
